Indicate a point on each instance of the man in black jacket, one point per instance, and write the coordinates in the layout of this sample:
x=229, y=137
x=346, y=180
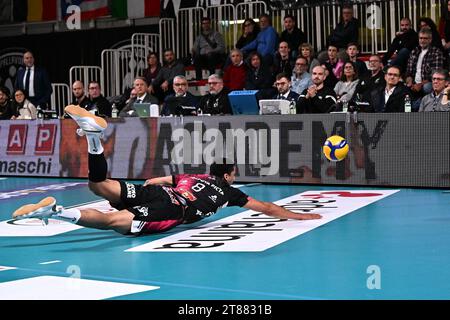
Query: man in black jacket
x=401, y=47
x=390, y=98
x=216, y=101
x=346, y=31
x=317, y=98
x=6, y=108
x=182, y=102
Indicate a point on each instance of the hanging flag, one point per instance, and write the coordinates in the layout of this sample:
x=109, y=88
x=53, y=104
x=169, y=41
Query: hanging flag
x=90, y=9
x=42, y=10
x=135, y=8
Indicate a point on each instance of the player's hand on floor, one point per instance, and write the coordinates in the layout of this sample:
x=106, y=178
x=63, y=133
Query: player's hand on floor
x=309, y=216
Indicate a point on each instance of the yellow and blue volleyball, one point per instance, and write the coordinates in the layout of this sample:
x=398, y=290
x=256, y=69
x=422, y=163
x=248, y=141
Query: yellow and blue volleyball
x=335, y=148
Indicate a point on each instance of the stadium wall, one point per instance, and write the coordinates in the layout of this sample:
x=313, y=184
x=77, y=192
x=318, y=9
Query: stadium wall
x=411, y=150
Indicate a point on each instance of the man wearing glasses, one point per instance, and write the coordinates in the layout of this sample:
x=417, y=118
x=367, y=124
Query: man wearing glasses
x=301, y=79
x=390, y=98
x=161, y=86
x=216, y=101
x=97, y=103
x=142, y=96
x=370, y=81
x=421, y=63
x=437, y=100
x=181, y=102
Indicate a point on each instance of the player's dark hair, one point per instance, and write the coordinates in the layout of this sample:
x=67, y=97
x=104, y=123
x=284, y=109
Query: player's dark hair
x=219, y=169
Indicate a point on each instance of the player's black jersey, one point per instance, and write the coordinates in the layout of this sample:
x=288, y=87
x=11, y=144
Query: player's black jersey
x=204, y=194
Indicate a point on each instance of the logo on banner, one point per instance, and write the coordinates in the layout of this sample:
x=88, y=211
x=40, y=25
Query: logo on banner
x=10, y=61
x=45, y=139
x=17, y=139
x=252, y=231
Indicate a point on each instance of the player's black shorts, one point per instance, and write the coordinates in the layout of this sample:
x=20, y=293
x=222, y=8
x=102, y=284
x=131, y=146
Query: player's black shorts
x=155, y=207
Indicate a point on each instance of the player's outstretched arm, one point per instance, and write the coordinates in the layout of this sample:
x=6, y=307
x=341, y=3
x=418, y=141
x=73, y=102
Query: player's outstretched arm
x=167, y=181
x=273, y=210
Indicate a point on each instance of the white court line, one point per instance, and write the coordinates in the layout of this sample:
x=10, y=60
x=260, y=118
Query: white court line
x=3, y=178
x=4, y=268
x=51, y=262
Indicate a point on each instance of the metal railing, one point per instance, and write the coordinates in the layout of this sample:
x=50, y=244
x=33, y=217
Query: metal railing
x=379, y=20
x=141, y=45
x=166, y=28
x=86, y=74
x=60, y=97
x=116, y=69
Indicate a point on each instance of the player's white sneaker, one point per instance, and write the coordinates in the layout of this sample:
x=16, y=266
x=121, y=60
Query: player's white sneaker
x=43, y=210
x=87, y=121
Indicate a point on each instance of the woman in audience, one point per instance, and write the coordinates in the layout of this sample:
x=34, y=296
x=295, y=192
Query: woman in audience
x=250, y=30
x=153, y=67
x=307, y=51
x=346, y=86
x=23, y=108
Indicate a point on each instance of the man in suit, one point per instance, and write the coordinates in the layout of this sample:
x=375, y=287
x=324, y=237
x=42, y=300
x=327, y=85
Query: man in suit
x=142, y=96
x=390, y=98
x=34, y=81
x=283, y=84
x=182, y=102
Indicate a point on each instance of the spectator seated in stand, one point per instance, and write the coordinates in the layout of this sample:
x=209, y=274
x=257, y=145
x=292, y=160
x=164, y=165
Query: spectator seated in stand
x=318, y=98
x=97, y=103
x=292, y=35
x=282, y=62
x=405, y=41
x=250, y=30
x=259, y=77
x=162, y=85
x=22, y=107
x=437, y=100
x=284, y=92
x=346, y=86
x=216, y=101
x=334, y=64
x=390, y=98
x=235, y=73
x=368, y=83
x=6, y=107
x=306, y=50
x=142, y=96
x=266, y=41
x=153, y=67
x=182, y=103
x=421, y=63
x=300, y=79
x=352, y=53
x=79, y=96
x=209, y=49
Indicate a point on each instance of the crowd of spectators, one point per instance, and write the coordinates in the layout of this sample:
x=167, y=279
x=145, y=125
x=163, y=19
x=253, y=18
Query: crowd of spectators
x=278, y=66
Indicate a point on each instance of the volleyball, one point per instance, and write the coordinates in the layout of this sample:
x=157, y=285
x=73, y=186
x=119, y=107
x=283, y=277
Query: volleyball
x=335, y=148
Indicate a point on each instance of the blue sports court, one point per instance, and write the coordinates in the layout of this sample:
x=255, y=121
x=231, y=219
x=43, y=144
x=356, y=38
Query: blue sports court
x=393, y=248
